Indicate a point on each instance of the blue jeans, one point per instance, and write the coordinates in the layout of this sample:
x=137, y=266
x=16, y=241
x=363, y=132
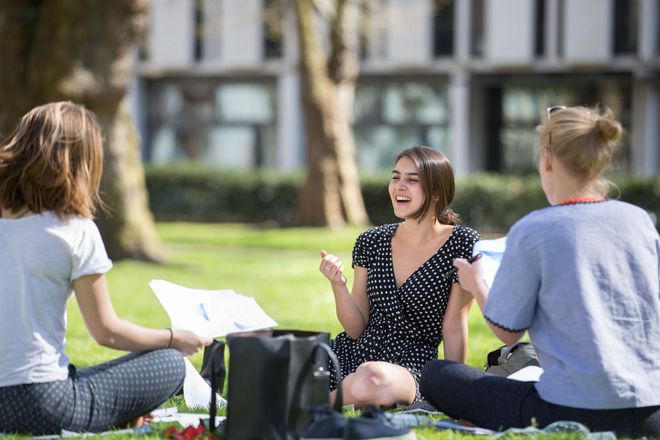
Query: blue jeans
x=96, y=398
x=499, y=403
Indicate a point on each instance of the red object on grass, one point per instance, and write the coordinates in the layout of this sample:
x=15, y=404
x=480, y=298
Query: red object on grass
x=189, y=433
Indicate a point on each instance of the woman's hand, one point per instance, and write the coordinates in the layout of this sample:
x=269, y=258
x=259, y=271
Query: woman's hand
x=332, y=268
x=352, y=307
x=188, y=342
x=470, y=278
x=469, y=275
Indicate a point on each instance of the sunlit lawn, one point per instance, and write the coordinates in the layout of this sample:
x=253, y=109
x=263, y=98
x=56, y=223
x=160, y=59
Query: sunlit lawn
x=278, y=267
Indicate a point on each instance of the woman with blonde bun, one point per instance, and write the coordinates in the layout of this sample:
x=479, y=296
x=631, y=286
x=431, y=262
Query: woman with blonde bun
x=581, y=276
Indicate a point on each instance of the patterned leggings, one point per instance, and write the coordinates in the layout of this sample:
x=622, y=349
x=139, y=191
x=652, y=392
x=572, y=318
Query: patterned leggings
x=93, y=399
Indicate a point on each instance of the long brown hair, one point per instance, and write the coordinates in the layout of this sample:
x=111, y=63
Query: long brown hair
x=53, y=161
x=436, y=175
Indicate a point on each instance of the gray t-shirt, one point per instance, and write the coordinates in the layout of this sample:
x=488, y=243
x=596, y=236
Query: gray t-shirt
x=583, y=280
x=40, y=256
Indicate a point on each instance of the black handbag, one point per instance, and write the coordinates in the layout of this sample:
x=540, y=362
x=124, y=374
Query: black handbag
x=274, y=379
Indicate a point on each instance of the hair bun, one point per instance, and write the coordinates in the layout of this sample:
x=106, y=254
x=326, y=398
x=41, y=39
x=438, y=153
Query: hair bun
x=608, y=128
x=449, y=217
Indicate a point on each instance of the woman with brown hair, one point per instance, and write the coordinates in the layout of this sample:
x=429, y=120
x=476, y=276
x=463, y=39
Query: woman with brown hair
x=50, y=170
x=401, y=306
x=581, y=276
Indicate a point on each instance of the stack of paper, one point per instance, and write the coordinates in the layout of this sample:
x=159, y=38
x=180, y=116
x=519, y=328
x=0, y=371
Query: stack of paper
x=210, y=313
x=492, y=251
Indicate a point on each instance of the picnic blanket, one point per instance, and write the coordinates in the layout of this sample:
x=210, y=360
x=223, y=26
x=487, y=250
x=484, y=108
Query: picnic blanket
x=419, y=418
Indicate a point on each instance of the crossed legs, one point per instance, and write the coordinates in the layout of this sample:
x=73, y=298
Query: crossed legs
x=499, y=403
x=94, y=398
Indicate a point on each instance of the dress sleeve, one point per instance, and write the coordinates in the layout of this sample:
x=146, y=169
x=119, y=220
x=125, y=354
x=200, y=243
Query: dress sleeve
x=467, y=237
x=511, y=303
x=363, y=249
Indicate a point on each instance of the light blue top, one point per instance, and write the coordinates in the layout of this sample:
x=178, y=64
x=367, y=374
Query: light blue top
x=583, y=280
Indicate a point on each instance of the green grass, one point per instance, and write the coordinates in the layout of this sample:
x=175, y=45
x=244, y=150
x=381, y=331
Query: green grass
x=278, y=267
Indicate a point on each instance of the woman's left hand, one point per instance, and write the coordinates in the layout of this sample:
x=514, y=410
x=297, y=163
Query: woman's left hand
x=188, y=342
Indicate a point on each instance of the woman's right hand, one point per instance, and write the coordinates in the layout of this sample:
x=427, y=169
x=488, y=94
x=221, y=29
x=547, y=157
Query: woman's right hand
x=332, y=268
x=470, y=276
x=188, y=342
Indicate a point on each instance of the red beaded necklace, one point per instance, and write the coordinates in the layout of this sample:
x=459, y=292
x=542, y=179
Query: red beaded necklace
x=582, y=200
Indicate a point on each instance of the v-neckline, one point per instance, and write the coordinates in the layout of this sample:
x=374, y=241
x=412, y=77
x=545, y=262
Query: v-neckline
x=412, y=275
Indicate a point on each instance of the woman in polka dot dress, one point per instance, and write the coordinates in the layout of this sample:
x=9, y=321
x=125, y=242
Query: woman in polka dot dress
x=50, y=169
x=401, y=306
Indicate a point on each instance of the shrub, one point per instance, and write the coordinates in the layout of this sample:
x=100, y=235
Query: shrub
x=201, y=194
x=489, y=202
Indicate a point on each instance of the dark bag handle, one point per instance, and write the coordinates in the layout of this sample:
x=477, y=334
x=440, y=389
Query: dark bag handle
x=213, y=408
x=333, y=358
x=294, y=411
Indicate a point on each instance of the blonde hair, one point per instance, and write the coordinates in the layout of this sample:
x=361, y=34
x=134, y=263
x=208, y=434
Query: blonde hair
x=583, y=139
x=53, y=161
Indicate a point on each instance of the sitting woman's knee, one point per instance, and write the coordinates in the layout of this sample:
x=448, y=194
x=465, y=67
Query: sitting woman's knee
x=371, y=379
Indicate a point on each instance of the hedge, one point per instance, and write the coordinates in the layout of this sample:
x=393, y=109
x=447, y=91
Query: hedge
x=484, y=201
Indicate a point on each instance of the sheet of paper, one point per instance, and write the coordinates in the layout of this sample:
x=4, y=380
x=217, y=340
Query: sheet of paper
x=531, y=373
x=169, y=415
x=210, y=313
x=196, y=392
x=492, y=251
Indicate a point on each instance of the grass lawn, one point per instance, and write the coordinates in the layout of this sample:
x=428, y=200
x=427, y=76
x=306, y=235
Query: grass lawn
x=278, y=267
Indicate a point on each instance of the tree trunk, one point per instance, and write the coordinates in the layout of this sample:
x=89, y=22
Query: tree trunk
x=331, y=194
x=128, y=226
x=83, y=51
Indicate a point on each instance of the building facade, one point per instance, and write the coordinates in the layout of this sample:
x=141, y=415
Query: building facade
x=218, y=80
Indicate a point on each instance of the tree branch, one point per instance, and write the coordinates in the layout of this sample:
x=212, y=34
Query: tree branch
x=344, y=64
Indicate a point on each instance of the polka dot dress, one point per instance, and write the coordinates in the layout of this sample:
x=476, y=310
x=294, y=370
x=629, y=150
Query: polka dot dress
x=405, y=324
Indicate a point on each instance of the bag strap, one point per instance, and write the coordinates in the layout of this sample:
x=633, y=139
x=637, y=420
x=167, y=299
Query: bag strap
x=333, y=358
x=213, y=408
x=294, y=410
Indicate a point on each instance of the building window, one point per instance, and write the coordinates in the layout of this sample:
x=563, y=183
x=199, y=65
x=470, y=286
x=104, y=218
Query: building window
x=272, y=28
x=393, y=114
x=443, y=28
x=522, y=110
x=524, y=104
x=477, y=28
x=539, y=37
x=560, y=27
x=364, y=23
x=626, y=29
x=373, y=29
x=228, y=124
x=199, y=27
x=143, y=46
